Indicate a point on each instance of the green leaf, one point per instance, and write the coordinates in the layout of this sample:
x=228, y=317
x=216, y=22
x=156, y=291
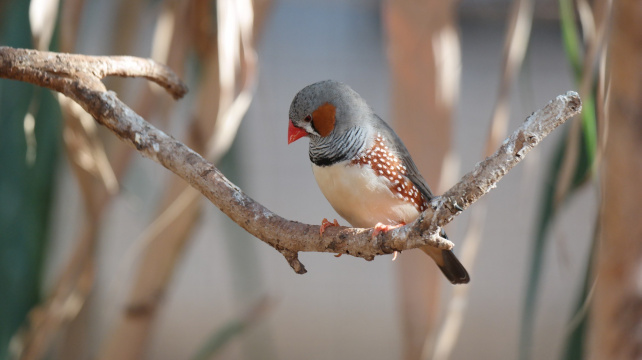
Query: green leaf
x=583, y=169
x=27, y=160
x=573, y=47
x=574, y=347
x=219, y=339
x=547, y=214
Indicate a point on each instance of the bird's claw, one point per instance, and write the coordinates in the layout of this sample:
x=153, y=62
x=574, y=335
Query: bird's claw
x=325, y=223
x=379, y=228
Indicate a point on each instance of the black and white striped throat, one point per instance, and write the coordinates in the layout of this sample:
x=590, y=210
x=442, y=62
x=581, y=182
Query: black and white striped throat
x=329, y=150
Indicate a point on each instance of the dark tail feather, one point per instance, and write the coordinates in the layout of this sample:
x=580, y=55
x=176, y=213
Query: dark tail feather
x=453, y=269
x=448, y=264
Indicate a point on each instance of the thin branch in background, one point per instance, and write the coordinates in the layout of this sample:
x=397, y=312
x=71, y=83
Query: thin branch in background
x=579, y=155
x=213, y=128
x=284, y=235
x=575, y=334
x=581, y=313
x=222, y=336
x=603, y=87
x=161, y=242
x=87, y=155
x=571, y=155
x=235, y=45
x=88, y=162
x=425, y=63
x=65, y=301
x=595, y=26
x=515, y=45
x=121, y=40
x=42, y=19
x=120, y=156
x=70, y=15
x=615, y=311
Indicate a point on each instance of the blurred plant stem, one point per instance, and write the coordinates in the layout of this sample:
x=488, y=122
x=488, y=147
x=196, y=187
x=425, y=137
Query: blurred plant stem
x=576, y=157
x=425, y=63
x=234, y=328
x=225, y=49
x=615, y=314
x=29, y=149
x=98, y=181
x=520, y=21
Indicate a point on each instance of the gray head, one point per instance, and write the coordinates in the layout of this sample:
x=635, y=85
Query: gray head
x=334, y=117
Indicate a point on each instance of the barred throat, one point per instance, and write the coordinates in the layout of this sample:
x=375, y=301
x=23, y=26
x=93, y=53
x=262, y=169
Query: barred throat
x=325, y=151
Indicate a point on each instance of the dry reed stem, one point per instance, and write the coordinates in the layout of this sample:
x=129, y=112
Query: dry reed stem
x=517, y=37
x=617, y=302
x=212, y=129
x=425, y=65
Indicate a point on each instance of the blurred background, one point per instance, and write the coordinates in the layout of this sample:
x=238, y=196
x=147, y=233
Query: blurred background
x=107, y=255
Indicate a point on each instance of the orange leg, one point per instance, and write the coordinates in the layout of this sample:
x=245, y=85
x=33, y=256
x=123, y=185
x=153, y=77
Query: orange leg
x=379, y=228
x=325, y=224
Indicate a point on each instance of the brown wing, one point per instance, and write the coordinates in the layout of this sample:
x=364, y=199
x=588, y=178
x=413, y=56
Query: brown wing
x=446, y=260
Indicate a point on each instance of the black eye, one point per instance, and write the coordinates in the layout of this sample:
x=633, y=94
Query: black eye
x=308, y=118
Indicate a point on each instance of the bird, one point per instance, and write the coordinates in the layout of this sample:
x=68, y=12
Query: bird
x=361, y=166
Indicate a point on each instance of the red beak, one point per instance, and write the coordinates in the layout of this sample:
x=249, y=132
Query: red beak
x=295, y=133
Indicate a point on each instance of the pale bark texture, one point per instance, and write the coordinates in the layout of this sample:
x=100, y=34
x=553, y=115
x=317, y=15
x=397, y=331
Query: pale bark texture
x=424, y=62
x=616, y=315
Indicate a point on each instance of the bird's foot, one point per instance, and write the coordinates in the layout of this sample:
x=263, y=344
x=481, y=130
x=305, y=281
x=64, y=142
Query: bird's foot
x=379, y=228
x=325, y=224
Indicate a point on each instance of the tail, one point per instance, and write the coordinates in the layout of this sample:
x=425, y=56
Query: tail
x=448, y=264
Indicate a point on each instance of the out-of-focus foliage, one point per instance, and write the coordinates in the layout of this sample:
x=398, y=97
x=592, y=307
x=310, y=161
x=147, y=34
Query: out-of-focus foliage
x=234, y=328
x=578, y=326
x=553, y=198
x=548, y=211
x=29, y=147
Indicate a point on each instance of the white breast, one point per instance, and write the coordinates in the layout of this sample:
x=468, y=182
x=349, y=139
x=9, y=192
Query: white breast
x=361, y=197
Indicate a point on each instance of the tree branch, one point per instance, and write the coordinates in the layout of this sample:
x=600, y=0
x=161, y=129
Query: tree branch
x=78, y=77
x=48, y=69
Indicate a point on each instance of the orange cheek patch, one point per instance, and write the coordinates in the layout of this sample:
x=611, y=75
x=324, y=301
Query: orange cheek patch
x=323, y=119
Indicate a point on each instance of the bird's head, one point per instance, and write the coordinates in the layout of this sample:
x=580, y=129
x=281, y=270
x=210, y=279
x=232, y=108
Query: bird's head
x=325, y=109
